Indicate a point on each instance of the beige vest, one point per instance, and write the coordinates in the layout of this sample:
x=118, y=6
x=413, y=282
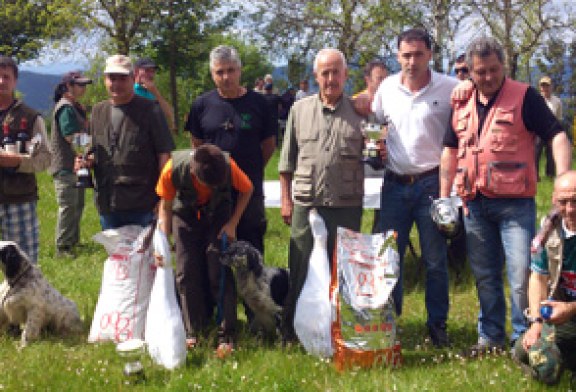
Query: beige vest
x=329, y=171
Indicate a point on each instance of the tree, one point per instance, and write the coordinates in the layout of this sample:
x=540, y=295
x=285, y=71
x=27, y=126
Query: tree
x=123, y=21
x=519, y=25
x=302, y=27
x=28, y=25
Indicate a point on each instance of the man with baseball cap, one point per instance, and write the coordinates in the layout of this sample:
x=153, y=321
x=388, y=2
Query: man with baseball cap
x=131, y=143
x=144, y=72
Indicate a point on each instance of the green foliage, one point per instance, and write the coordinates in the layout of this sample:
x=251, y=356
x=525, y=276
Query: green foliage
x=26, y=26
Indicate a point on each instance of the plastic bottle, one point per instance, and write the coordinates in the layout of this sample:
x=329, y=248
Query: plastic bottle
x=8, y=141
x=22, y=138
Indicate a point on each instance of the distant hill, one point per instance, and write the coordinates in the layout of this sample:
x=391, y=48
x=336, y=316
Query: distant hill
x=37, y=89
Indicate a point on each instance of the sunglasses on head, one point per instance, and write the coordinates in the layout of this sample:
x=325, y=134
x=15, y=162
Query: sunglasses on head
x=463, y=69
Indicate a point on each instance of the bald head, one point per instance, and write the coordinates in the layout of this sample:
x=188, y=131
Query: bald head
x=564, y=198
x=331, y=73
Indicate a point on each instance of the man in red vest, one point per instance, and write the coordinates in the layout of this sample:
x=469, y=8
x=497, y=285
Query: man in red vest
x=488, y=154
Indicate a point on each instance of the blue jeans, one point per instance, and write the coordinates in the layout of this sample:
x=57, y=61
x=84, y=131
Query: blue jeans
x=118, y=219
x=499, y=230
x=401, y=205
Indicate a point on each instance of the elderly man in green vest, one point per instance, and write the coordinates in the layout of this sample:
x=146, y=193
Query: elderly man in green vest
x=553, y=283
x=320, y=167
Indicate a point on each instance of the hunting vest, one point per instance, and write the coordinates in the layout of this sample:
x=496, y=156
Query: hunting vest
x=126, y=163
x=185, y=204
x=500, y=161
x=18, y=187
x=63, y=153
x=329, y=170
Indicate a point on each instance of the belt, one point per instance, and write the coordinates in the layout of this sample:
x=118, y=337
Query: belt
x=408, y=179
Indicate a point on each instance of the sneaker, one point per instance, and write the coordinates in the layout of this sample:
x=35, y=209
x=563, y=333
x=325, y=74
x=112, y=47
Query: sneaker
x=438, y=335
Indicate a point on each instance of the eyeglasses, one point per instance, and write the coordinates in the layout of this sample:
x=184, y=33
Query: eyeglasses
x=463, y=70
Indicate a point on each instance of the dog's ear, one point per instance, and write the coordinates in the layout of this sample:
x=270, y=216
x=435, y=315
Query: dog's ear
x=255, y=263
x=12, y=259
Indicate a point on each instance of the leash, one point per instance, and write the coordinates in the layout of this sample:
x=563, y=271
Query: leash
x=220, y=311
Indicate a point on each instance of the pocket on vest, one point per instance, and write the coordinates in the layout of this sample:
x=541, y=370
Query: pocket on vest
x=129, y=193
x=507, y=179
x=462, y=183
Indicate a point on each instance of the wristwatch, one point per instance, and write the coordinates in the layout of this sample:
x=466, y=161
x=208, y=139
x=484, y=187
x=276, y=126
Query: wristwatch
x=532, y=320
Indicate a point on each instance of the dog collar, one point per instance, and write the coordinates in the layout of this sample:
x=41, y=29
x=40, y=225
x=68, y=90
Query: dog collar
x=12, y=282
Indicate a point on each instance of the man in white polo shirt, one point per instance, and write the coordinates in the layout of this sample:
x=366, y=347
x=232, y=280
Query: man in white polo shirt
x=416, y=102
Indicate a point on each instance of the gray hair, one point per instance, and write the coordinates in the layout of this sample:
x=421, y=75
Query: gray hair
x=484, y=47
x=224, y=54
x=326, y=51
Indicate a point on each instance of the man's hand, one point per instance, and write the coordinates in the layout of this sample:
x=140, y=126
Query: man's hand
x=362, y=104
x=286, y=211
x=462, y=92
x=149, y=85
x=532, y=335
x=230, y=229
x=83, y=162
x=561, y=311
x=9, y=159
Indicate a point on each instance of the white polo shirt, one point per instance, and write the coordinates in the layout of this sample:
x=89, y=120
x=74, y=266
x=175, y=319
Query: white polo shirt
x=417, y=122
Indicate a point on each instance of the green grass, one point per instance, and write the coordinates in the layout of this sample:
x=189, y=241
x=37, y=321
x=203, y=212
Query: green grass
x=71, y=364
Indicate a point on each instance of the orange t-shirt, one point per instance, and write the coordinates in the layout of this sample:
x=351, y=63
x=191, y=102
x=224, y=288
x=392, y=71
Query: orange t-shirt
x=166, y=190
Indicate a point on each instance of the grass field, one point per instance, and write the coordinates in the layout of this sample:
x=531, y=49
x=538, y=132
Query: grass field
x=71, y=364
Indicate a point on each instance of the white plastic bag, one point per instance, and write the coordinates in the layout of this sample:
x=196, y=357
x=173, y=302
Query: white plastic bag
x=162, y=246
x=312, y=317
x=165, y=334
x=127, y=280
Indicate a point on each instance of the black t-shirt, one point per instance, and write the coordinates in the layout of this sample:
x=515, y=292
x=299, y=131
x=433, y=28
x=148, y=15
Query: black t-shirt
x=273, y=102
x=536, y=115
x=235, y=125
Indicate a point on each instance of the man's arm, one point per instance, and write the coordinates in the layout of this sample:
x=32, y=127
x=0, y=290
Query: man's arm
x=286, y=203
x=40, y=156
x=162, y=159
x=165, y=216
x=268, y=146
x=562, y=152
x=164, y=105
x=448, y=162
x=537, y=291
x=241, y=203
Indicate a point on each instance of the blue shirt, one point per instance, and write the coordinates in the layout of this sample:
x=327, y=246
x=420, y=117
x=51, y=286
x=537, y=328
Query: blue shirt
x=141, y=91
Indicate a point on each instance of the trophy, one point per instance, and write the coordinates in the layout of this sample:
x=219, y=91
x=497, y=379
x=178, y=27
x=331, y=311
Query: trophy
x=81, y=140
x=132, y=351
x=374, y=133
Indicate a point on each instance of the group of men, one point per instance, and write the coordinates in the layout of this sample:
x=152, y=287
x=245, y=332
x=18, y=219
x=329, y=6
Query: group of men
x=479, y=141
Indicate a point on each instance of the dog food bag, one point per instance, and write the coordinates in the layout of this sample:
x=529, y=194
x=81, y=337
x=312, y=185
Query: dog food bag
x=127, y=281
x=363, y=319
x=312, y=317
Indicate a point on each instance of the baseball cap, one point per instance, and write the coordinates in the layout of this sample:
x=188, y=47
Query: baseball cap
x=545, y=80
x=118, y=64
x=145, y=62
x=75, y=77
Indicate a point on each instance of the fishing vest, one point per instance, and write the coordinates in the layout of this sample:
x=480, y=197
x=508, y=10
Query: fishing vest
x=329, y=170
x=499, y=162
x=126, y=163
x=63, y=153
x=185, y=203
x=18, y=187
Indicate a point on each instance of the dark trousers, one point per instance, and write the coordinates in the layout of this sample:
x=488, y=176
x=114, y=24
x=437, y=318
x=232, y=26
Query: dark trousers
x=198, y=273
x=550, y=167
x=301, y=243
x=252, y=225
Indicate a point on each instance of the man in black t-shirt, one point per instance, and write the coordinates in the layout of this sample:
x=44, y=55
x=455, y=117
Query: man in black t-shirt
x=240, y=122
